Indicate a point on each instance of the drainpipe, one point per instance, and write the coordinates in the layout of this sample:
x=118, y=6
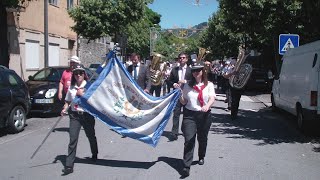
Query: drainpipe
x=46, y=42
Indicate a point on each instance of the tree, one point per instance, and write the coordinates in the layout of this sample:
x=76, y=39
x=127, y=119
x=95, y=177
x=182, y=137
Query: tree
x=138, y=33
x=99, y=18
x=257, y=25
x=4, y=46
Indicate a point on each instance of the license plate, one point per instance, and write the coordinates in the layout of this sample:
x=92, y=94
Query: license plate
x=259, y=80
x=43, y=101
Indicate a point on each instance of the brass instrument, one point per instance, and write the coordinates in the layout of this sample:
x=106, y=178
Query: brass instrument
x=202, y=54
x=240, y=79
x=156, y=69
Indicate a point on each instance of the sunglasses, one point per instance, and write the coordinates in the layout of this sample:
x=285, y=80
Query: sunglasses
x=196, y=70
x=78, y=73
x=182, y=57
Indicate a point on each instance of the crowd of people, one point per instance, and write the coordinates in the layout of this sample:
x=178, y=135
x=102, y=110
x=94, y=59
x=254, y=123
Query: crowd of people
x=195, y=81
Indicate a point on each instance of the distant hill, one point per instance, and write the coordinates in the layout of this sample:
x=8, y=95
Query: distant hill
x=201, y=25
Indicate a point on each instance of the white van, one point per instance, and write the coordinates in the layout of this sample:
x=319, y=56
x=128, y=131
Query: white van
x=296, y=89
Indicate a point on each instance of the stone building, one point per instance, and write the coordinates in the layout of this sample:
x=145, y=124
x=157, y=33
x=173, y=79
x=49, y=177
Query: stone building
x=93, y=52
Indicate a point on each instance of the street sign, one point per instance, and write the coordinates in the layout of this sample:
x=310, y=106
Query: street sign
x=287, y=41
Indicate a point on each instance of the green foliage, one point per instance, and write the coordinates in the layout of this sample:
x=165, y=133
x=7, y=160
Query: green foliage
x=257, y=24
x=98, y=18
x=170, y=45
x=13, y=3
x=138, y=33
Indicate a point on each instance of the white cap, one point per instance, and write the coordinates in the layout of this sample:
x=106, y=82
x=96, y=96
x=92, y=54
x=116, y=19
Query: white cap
x=75, y=59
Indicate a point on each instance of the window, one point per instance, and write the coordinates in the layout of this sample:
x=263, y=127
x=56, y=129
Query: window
x=53, y=2
x=13, y=80
x=54, y=54
x=32, y=54
x=70, y=4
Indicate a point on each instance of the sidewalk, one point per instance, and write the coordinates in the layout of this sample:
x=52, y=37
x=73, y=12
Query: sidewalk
x=265, y=99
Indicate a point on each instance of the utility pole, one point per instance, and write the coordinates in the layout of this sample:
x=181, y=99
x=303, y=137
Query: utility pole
x=46, y=42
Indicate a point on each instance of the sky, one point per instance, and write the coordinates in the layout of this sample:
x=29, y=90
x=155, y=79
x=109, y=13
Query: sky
x=183, y=13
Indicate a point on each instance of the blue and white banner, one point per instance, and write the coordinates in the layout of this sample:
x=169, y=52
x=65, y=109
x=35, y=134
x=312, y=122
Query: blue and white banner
x=117, y=100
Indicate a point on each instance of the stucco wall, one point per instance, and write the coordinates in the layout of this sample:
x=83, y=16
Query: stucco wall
x=30, y=26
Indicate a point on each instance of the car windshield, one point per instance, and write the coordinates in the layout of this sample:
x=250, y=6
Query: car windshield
x=94, y=66
x=48, y=74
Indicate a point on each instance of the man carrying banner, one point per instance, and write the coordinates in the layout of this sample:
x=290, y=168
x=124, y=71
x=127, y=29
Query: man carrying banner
x=178, y=77
x=198, y=95
x=139, y=72
x=130, y=111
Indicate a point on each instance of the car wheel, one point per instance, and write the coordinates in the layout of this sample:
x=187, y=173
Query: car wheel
x=17, y=119
x=273, y=104
x=301, y=123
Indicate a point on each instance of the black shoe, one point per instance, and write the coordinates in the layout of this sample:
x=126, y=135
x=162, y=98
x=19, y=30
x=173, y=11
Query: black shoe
x=201, y=161
x=174, y=137
x=67, y=170
x=233, y=117
x=94, y=157
x=185, y=172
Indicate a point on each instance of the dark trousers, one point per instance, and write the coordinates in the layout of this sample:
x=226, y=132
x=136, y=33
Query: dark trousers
x=76, y=121
x=175, y=119
x=235, y=100
x=228, y=96
x=195, y=123
x=156, y=89
x=166, y=87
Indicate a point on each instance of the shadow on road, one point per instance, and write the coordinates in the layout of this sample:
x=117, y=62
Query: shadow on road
x=62, y=129
x=263, y=125
x=105, y=162
x=175, y=163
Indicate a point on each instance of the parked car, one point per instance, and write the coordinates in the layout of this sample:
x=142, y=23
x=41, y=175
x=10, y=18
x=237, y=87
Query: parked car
x=43, y=87
x=94, y=67
x=258, y=80
x=15, y=101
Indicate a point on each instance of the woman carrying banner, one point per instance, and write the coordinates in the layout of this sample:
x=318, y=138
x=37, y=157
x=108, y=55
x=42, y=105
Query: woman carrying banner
x=197, y=96
x=78, y=118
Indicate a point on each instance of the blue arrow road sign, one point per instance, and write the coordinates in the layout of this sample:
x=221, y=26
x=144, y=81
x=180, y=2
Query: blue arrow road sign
x=287, y=41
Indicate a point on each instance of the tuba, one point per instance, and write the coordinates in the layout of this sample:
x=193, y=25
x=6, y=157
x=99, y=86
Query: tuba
x=240, y=79
x=202, y=54
x=201, y=57
x=156, y=69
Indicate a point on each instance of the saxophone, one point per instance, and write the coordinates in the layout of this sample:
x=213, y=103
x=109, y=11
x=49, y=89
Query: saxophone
x=240, y=79
x=156, y=69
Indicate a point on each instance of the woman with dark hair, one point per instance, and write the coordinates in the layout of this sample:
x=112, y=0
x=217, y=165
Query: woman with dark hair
x=198, y=97
x=78, y=118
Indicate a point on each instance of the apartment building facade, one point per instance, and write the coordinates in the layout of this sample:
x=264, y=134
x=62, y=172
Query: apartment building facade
x=26, y=36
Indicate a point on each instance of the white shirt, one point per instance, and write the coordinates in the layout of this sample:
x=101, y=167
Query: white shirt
x=71, y=94
x=182, y=72
x=137, y=69
x=191, y=95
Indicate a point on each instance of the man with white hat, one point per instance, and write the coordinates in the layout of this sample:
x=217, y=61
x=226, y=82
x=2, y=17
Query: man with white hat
x=65, y=80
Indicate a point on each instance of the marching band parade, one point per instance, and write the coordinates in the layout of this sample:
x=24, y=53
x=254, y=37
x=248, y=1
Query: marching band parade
x=211, y=101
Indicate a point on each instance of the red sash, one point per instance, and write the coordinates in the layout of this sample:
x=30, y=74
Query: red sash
x=200, y=96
